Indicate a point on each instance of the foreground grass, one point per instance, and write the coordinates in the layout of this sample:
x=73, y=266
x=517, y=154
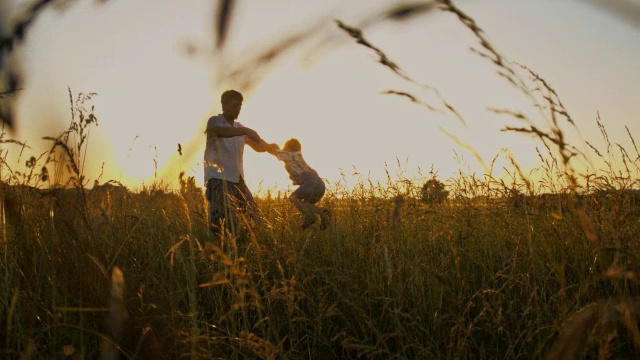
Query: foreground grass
x=469, y=279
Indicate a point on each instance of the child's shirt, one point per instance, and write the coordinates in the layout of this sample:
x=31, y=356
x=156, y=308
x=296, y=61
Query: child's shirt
x=294, y=164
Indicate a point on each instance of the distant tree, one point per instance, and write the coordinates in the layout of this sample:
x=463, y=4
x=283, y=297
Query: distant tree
x=433, y=192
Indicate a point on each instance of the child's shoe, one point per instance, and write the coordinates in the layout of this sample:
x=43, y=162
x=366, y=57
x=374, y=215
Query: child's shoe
x=308, y=221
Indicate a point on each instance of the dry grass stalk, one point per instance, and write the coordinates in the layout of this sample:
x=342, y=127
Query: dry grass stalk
x=383, y=59
x=117, y=317
x=575, y=334
x=596, y=323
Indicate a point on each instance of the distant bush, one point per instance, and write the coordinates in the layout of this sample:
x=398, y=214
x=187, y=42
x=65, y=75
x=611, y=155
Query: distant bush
x=433, y=192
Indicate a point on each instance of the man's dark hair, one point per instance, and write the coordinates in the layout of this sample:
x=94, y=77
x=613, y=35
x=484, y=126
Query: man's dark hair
x=292, y=145
x=231, y=95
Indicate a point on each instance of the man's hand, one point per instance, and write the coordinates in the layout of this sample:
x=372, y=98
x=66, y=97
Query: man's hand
x=273, y=148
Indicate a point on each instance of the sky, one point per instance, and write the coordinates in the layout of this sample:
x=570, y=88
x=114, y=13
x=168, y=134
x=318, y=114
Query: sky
x=159, y=76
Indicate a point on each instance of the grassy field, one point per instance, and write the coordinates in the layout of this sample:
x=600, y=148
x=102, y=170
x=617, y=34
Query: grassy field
x=109, y=272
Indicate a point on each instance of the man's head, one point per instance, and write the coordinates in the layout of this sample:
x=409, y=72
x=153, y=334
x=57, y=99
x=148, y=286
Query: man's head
x=292, y=145
x=231, y=104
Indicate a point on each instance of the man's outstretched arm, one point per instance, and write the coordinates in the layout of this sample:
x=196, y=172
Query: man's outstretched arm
x=262, y=146
x=230, y=131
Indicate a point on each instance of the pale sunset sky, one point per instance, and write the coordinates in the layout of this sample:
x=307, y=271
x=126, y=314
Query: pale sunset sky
x=159, y=78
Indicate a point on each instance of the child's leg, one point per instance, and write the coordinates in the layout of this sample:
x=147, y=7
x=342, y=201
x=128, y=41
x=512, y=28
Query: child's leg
x=311, y=190
x=308, y=210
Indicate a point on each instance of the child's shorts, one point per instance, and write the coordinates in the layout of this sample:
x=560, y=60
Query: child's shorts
x=311, y=188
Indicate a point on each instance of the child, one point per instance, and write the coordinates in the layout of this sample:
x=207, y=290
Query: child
x=311, y=187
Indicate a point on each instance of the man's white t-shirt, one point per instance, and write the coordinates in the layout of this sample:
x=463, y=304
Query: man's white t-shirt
x=223, y=156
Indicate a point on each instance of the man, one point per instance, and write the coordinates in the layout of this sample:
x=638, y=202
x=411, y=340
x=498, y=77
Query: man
x=230, y=200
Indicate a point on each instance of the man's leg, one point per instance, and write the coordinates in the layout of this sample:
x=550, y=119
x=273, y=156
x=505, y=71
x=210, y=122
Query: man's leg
x=248, y=205
x=215, y=193
x=245, y=218
x=227, y=201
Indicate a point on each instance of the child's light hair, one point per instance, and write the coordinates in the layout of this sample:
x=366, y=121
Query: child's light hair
x=292, y=145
